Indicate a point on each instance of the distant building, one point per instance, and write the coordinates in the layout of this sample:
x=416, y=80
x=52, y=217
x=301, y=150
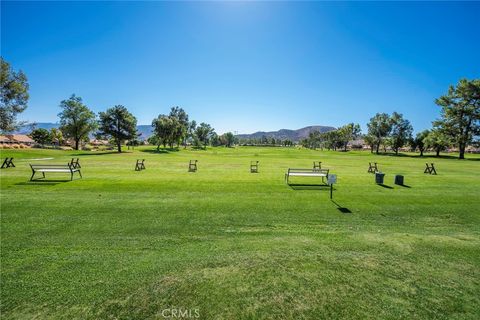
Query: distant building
x=16, y=139
x=358, y=144
x=97, y=142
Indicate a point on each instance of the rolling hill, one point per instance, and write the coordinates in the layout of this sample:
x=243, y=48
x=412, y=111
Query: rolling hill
x=294, y=135
x=146, y=131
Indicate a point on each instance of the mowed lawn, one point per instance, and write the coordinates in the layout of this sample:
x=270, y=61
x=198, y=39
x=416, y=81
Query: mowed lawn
x=121, y=244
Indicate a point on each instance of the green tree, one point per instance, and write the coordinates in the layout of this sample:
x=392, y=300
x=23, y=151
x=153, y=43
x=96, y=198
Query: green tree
x=348, y=133
x=192, y=125
x=401, y=131
x=379, y=129
x=460, y=114
x=41, y=136
x=203, y=133
x=370, y=141
x=56, y=136
x=164, y=128
x=153, y=140
x=118, y=123
x=76, y=120
x=227, y=139
x=419, y=141
x=14, y=96
x=215, y=139
x=180, y=133
x=436, y=140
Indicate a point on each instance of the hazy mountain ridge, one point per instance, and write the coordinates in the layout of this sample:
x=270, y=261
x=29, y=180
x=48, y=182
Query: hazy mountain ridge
x=146, y=131
x=283, y=134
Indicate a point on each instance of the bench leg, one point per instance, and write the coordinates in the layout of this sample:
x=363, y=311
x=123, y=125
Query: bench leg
x=33, y=173
x=80, y=173
x=43, y=175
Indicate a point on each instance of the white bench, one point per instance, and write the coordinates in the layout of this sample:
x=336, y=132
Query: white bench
x=323, y=173
x=68, y=168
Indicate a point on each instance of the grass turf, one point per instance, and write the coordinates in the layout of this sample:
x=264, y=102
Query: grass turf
x=229, y=244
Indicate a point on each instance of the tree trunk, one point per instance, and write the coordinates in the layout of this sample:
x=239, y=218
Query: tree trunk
x=77, y=142
x=438, y=152
x=119, y=147
x=378, y=147
x=462, y=151
x=421, y=152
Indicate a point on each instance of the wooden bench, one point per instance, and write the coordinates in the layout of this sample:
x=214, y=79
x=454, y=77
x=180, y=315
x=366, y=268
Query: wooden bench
x=192, y=166
x=7, y=163
x=372, y=167
x=75, y=163
x=317, y=165
x=54, y=168
x=430, y=169
x=140, y=165
x=254, y=166
x=323, y=173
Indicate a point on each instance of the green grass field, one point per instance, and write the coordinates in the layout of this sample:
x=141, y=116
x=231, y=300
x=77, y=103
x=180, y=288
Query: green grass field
x=121, y=244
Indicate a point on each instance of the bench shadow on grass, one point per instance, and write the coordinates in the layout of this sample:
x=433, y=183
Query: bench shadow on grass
x=40, y=182
x=303, y=186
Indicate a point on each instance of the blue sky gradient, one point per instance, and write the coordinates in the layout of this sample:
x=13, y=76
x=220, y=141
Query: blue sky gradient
x=243, y=66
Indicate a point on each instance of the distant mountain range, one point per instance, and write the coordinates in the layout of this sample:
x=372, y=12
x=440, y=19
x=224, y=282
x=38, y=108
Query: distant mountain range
x=146, y=131
x=283, y=134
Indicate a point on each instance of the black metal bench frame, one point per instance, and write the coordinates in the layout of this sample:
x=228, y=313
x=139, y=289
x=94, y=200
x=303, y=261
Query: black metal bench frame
x=323, y=173
x=7, y=163
x=54, y=168
x=317, y=165
x=254, y=166
x=192, y=166
x=75, y=163
x=430, y=169
x=140, y=165
x=372, y=168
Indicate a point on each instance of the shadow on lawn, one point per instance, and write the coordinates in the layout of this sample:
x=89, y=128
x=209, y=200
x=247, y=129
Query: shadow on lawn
x=297, y=186
x=42, y=182
x=159, y=151
x=97, y=153
x=340, y=208
x=384, y=185
x=428, y=157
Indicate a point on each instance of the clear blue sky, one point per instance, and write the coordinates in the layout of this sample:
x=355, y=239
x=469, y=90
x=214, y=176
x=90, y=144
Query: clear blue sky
x=243, y=66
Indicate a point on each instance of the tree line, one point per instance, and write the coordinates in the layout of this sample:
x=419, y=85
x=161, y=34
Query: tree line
x=78, y=122
x=458, y=124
